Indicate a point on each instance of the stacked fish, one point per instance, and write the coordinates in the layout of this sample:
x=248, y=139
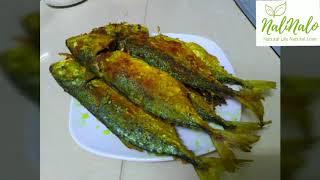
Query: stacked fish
x=140, y=87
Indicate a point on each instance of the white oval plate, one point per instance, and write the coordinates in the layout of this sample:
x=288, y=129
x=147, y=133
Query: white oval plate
x=93, y=136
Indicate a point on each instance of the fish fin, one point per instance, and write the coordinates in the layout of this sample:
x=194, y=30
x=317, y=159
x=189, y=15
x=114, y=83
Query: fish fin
x=130, y=146
x=226, y=154
x=224, y=141
x=252, y=102
x=207, y=111
x=214, y=168
x=244, y=127
x=240, y=140
x=213, y=171
x=259, y=86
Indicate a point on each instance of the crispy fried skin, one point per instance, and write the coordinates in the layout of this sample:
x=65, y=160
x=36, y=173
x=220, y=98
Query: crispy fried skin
x=122, y=30
x=127, y=121
x=256, y=86
x=165, y=97
x=186, y=65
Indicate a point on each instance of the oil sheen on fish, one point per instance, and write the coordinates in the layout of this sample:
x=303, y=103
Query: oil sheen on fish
x=206, y=110
x=88, y=46
x=128, y=122
x=177, y=59
x=122, y=30
x=163, y=96
x=212, y=62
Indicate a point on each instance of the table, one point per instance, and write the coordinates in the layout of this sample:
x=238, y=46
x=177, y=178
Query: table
x=221, y=21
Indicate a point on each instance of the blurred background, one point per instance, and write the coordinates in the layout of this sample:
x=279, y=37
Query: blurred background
x=300, y=108
x=19, y=92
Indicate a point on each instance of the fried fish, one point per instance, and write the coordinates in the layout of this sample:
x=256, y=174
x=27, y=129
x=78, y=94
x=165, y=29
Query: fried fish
x=135, y=128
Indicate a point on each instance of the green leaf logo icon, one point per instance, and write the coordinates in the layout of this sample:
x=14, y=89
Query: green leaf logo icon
x=269, y=10
x=281, y=9
x=277, y=11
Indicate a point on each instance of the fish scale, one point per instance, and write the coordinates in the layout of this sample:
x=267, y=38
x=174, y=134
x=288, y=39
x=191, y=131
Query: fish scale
x=184, y=63
x=135, y=128
x=163, y=96
x=122, y=117
x=155, y=81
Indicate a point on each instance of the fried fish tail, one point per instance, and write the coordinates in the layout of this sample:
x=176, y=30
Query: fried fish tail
x=213, y=171
x=259, y=86
x=241, y=140
x=150, y=88
x=255, y=86
x=127, y=121
x=235, y=126
x=251, y=102
x=224, y=141
x=206, y=110
x=245, y=127
x=214, y=168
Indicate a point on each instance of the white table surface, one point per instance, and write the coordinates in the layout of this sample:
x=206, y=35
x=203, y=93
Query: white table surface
x=219, y=20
